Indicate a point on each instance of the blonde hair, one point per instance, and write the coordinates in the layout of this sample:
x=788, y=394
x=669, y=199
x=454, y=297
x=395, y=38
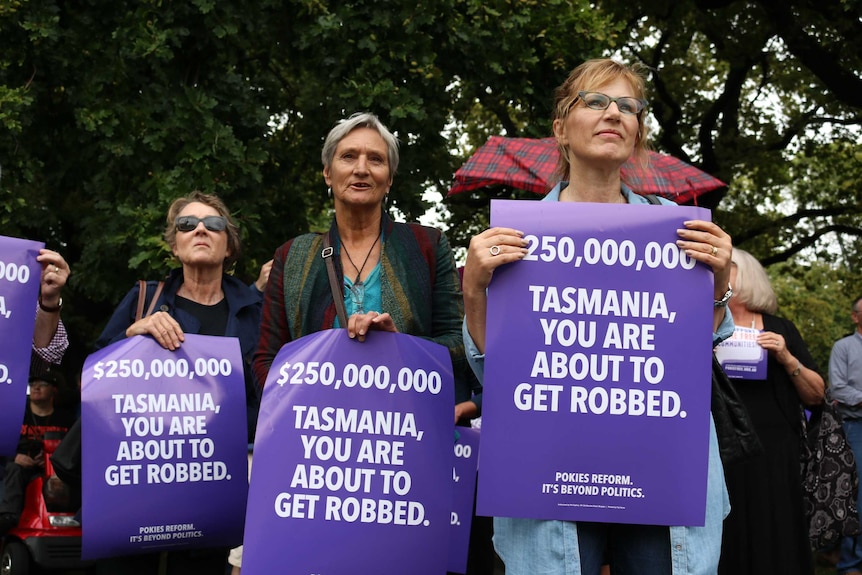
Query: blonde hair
x=588, y=76
x=752, y=288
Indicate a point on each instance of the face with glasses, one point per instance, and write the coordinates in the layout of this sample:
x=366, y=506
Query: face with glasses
x=201, y=239
x=602, y=125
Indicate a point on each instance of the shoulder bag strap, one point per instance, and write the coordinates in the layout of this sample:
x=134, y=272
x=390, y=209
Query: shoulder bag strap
x=142, y=296
x=155, y=298
x=337, y=294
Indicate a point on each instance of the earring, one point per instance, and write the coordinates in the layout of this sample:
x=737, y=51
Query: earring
x=329, y=193
x=386, y=199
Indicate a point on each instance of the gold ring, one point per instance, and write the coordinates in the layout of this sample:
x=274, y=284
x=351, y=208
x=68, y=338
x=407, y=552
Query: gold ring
x=495, y=250
x=714, y=250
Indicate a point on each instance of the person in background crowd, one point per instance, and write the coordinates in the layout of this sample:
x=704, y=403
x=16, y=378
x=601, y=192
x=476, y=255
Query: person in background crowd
x=396, y=277
x=599, y=122
x=767, y=531
x=845, y=378
x=43, y=424
x=200, y=298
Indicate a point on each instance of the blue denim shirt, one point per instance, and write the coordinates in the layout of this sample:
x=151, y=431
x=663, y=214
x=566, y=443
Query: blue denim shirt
x=529, y=546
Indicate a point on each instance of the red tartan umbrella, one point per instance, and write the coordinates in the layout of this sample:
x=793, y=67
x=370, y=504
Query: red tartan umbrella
x=528, y=164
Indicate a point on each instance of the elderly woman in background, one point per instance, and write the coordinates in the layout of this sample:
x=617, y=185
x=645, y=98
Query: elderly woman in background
x=198, y=298
x=599, y=122
x=766, y=531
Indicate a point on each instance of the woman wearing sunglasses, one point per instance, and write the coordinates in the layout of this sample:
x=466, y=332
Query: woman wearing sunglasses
x=599, y=122
x=199, y=298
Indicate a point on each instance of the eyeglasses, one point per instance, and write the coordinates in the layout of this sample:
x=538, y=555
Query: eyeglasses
x=625, y=104
x=35, y=384
x=190, y=223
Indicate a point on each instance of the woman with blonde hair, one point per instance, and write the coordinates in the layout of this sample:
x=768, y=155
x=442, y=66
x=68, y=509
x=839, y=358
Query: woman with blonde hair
x=599, y=122
x=766, y=531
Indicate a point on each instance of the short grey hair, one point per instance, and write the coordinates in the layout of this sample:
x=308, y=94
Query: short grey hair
x=753, y=287
x=360, y=120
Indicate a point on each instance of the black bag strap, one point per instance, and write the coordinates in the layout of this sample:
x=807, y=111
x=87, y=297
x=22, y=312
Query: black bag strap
x=142, y=297
x=334, y=284
x=653, y=199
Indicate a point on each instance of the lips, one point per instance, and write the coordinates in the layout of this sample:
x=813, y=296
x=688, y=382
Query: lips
x=610, y=133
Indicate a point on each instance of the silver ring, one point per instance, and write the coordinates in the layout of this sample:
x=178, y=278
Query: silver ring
x=56, y=269
x=495, y=250
x=714, y=250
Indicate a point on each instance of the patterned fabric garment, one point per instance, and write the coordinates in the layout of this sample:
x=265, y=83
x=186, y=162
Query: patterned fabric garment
x=419, y=288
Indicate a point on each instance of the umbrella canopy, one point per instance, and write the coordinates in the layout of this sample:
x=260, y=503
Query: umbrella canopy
x=528, y=164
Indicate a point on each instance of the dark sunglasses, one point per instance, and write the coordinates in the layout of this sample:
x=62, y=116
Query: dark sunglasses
x=212, y=223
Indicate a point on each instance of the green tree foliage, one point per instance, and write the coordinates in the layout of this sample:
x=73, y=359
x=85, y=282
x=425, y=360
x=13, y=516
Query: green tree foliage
x=765, y=95
x=109, y=110
x=819, y=299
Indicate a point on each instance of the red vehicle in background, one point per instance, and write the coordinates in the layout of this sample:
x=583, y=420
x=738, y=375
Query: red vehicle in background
x=48, y=535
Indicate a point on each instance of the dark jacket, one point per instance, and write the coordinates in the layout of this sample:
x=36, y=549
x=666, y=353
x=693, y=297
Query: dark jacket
x=244, y=306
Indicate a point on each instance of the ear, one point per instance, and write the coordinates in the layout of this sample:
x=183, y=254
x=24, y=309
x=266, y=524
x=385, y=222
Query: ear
x=326, y=177
x=560, y=132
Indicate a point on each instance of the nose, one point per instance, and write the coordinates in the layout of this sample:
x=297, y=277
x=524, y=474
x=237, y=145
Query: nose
x=613, y=109
x=361, y=165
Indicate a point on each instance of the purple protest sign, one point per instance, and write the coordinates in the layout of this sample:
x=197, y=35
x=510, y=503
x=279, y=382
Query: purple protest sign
x=164, y=446
x=464, y=476
x=20, y=275
x=353, y=458
x=597, y=369
x=741, y=356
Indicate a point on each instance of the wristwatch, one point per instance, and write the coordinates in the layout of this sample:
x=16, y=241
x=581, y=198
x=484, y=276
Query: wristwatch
x=798, y=369
x=47, y=309
x=725, y=298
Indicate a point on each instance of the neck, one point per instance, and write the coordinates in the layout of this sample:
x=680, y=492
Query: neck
x=583, y=193
x=41, y=408
x=742, y=316
x=201, y=286
x=593, y=181
x=356, y=228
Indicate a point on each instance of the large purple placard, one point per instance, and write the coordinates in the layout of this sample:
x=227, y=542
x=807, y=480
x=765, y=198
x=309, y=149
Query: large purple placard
x=464, y=476
x=164, y=446
x=353, y=458
x=597, y=370
x=20, y=274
